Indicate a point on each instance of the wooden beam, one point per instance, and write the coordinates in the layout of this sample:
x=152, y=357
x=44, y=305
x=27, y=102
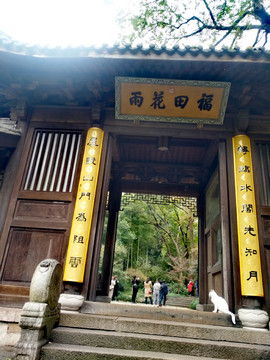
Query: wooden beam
x=210, y=154
x=163, y=189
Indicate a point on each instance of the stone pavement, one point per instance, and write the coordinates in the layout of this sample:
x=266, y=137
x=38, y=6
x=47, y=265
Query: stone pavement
x=6, y=352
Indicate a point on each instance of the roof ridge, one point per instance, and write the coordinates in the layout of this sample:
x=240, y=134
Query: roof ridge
x=11, y=45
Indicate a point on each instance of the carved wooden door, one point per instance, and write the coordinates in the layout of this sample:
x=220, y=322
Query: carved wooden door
x=213, y=235
x=216, y=233
x=41, y=208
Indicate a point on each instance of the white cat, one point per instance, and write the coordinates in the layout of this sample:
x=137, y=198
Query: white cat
x=220, y=304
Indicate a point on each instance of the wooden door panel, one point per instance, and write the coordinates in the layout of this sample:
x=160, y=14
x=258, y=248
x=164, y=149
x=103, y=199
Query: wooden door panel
x=261, y=167
x=41, y=207
x=267, y=256
x=266, y=230
x=212, y=236
x=44, y=214
x=209, y=261
x=41, y=210
x=214, y=278
x=28, y=247
x=217, y=282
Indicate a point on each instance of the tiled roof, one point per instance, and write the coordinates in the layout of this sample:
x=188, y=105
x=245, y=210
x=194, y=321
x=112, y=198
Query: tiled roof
x=9, y=45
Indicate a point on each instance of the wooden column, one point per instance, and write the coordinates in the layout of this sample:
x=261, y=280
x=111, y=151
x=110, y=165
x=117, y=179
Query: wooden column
x=91, y=290
x=114, y=206
x=202, y=250
x=236, y=287
x=224, y=224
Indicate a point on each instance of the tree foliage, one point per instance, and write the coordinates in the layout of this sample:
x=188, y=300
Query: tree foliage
x=137, y=234
x=158, y=240
x=176, y=225
x=212, y=22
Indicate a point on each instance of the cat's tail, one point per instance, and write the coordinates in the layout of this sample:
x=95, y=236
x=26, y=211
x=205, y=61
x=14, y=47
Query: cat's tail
x=233, y=317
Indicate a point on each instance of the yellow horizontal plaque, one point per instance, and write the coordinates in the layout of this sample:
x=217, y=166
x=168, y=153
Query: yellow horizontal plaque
x=171, y=100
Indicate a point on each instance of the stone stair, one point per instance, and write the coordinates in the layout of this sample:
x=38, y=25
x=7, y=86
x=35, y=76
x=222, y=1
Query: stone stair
x=128, y=331
x=180, y=301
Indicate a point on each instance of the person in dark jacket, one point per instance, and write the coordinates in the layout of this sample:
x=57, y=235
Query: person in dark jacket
x=163, y=293
x=115, y=289
x=135, y=288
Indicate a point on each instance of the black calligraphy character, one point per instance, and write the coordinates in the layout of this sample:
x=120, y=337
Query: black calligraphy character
x=248, y=230
x=87, y=194
x=242, y=149
x=93, y=142
x=78, y=239
x=136, y=99
x=248, y=208
x=205, y=103
x=87, y=178
x=158, y=100
x=180, y=101
x=250, y=252
x=245, y=187
x=81, y=217
x=244, y=168
x=253, y=274
x=91, y=160
x=75, y=261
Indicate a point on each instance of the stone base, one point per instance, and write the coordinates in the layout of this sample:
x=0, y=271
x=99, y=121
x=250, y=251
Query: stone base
x=10, y=330
x=37, y=321
x=254, y=319
x=205, y=307
x=255, y=329
x=104, y=299
x=71, y=302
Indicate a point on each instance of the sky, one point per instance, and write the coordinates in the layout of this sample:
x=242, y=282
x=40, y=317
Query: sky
x=61, y=22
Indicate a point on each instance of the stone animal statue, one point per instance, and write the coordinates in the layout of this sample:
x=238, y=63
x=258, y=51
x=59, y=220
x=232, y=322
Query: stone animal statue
x=220, y=304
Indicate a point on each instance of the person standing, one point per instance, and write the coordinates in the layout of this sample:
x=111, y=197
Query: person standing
x=148, y=290
x=197, y=288
x=135, y=288
x=163, y=293
x=190, y=287
x=115, y=289
x=156, y=288
x=111, y=288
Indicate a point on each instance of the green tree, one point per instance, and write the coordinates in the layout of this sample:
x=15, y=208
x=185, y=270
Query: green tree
x=125, y=237
x=120, y=254
x=178, y=231
x=215, y=22
x=136, y=232
x=160, y=241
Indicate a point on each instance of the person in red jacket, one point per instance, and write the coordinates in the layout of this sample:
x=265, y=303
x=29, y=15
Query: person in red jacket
x=190, y=287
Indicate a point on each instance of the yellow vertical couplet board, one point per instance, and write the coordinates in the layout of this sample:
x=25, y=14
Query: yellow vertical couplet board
x=83, y=213
x=248, y=240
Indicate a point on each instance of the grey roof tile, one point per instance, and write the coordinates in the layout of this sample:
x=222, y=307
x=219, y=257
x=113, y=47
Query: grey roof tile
x=8, y=44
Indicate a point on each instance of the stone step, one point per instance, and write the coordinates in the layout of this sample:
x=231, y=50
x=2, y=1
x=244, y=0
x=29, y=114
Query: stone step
x=162, y=344
x=72, y=352
x=143, y=311
x=164, y=328
x=175, y=301
x=180, y=301
x=181, y=298
x=16, y=301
